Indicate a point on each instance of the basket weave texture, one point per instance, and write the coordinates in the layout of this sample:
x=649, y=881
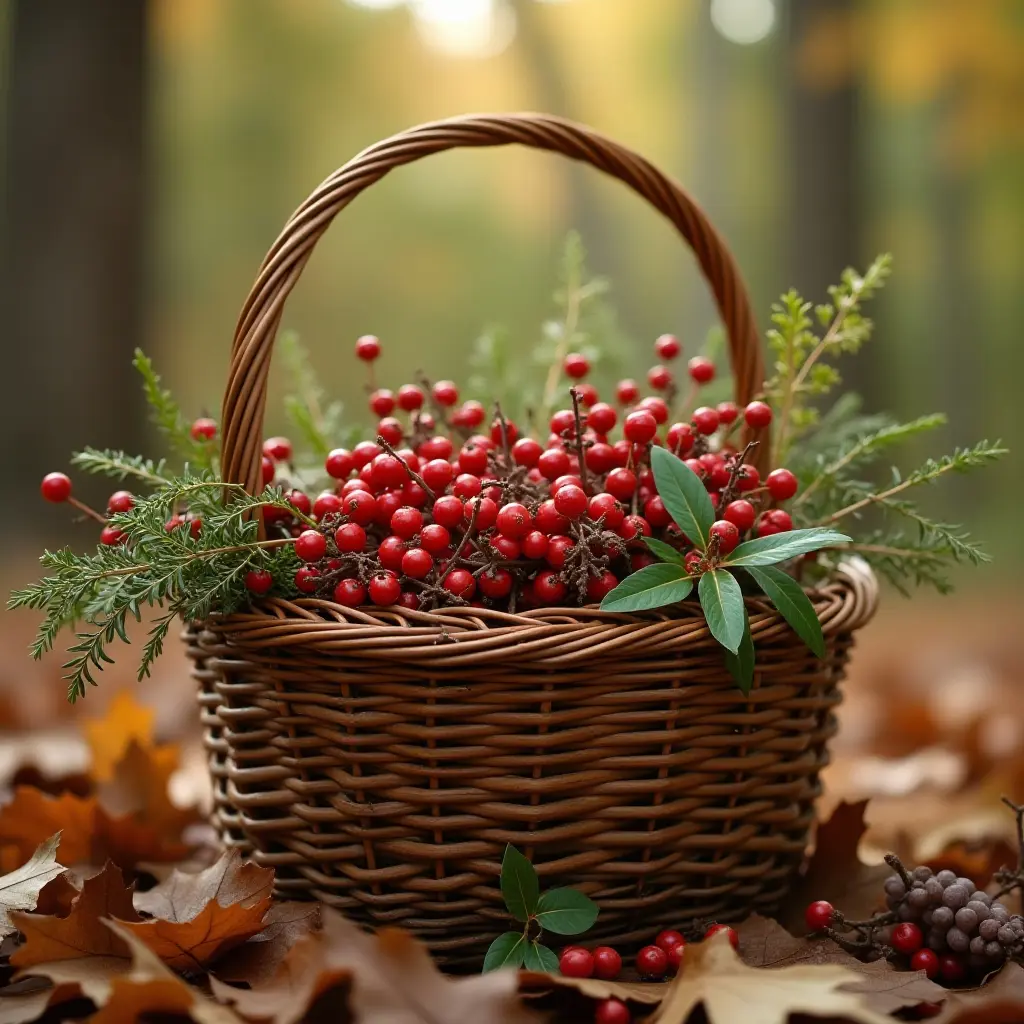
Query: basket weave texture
x=380, y=760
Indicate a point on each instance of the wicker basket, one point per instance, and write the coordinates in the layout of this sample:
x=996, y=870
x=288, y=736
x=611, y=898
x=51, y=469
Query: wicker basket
x=381, y=760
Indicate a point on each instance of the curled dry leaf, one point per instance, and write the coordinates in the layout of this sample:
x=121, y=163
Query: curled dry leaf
x=20, y=889
x=835, y=871
x=714, y=977
x=391, y=977
x=256, y=961
x=765, y=943
x=1000, y=1001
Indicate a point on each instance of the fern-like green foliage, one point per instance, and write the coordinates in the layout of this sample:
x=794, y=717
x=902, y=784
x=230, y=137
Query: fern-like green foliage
x=318, y=422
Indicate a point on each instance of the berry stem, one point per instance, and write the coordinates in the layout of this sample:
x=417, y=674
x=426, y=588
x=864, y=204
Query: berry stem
x=457, y=556
x=729, y=491
x=580, y=452
x=1009, y=881
x=413, y=475
x=90, y=512
x=503, y=427
x=897, y=865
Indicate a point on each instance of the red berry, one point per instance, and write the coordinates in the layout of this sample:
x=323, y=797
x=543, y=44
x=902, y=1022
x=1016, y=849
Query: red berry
x=278, y=448
x=388, y=471
x=505, y=546
x=705, y=419
x=952, y=968
x=112, y=536
x=364, y=452
x=775, y=520
x=326, y=504
x=466, y=486
x=439, y=447
x=607, y=963
x=633, y=527
x=350, y=537
x=602, y=417
x=548, y=587
x=758, y=415
x=56, y=487
x=679, y=438
x=576, y=963
x=727, y=533
x=734, y=939
x=514, y=520
x=748, y=479
x=299, y=500
x=668, y=938
x=307, y=578
x=526, y=452
x=495, y=583
x=350, y=593
x=486, y=510
x=563, y=423
x=640, y=426
x=406, y=522
x=818, y=915
x=607, y=505
x=367, y=348
x=659, y=377
x=511, y=432
x=384, y=588
x=258, y=581
x=907, y=938
x=535, y=544
x=382, y=402
x=437, y=474
x=740, y=512
x=461, y=583
x=311, y=545
x=447, y=511
x=409, y=600
x=549, y=520
x=558, y=548
x=587, y=395
x=576, y=366
x=727, y=412
x=360, y=507
x=612, y=1011
x=121, y=501
x=571, y=501
x=626, y=391
x=652, y=963
x=621, y=483
x=390, y=552
x=554, y=463
x=473, y=459
x=434, y=537
x=599, y=587
x=445, y=393
x=926, y=960
x=569, y=480
x=410, y=397
x=691, y=562
x=667, y=347
x=195, y=525
x=701, y=370
x=203, y=429
x=656, y=407
x=782, y=484
x=655, y=513
x=391, y=430
x=417, y=563
x=471, y=414
x=174, y=522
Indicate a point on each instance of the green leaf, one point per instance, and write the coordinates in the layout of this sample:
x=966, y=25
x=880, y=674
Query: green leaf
x=508, y=950
x=540, y=958
x=793, y=604
x=684, y=495
x=781, y=547
x=566, y=911
x=519, y=885
x=650, y=587
x=741, y=664
x=664, y=551
x=722, y=601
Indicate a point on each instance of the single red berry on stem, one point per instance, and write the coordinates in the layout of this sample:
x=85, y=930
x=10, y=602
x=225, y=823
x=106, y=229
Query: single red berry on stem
x=599, y=587
x=311, y=545
x=782, y=484
x=571, y=501
x=640, y=426
x=656, y=406
x=667, y=347
x=410, y=397
x=307, y=579
x=705, y=419
x=659, y=377
x=621, y=483
x=548, y=587
x=602, y=417
x=576, y=366
x=907, y=938
x=339, y=463
x=203, y=429
x=679, y=438
x=727, y=412
x=391, y=430
x=778, y=519
x=514, y=520
x=390, y=552
x=612, y=1011
x=367, y=348
x=701, y=370
x=495, y=583
x=350, y=593
x=486, y=510
x=740, y=512
x=448, y=510
x=554, y=463
x=326, y=504
x=382, y=402
x=758, y=415
x=461, y=583
x=350, y=537
x=111, y=536
x=471, y=414
x=675, y=957
x=526, y=451
x=445, y=393
x=417, y=563
x=120, y=501
x=926, y=960
x=56, y=487
x=435, y=538
x=626, y=391
x=576, y=962
x=728, y=535
x=818, y=915
x=258, y=581
x=734, y=939
x=535, y=545
x=406, y=522
x=652, y=963
x=299, y=501
x=278, y=448
x=607, y=963
x=668, y=938
x=384, y=588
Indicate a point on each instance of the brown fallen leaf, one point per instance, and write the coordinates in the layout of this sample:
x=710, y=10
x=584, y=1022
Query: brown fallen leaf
x=109, y=737
x=392, y=978
x=648, y=993
x=1000, y=1001
x=32, y=775
x=256, y=960
x=714, y=977
x=29, y=999
x=20, y=889
x=835, y=871
x=199, y=917
x=81, y=933
x=57, y=896
x=765, y=943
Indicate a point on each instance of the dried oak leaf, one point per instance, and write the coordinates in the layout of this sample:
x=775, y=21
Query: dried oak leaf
x=836, y=873
x=765, y=943
x=1000, y=1001
x=390, y=977
x=257, y=960
x=109, y=737
x=594, y=988
x=20, y=889
x=199, y=917
x=714, y=977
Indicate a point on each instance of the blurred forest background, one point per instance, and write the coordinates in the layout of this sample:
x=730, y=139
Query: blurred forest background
x=154, y=148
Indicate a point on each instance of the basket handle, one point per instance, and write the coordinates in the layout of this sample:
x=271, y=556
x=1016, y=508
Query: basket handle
x=246, y=392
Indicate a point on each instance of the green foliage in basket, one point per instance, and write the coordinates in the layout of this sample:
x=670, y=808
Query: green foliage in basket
x=562, y=911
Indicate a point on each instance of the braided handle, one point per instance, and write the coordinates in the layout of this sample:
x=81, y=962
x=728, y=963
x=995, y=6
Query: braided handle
x=246, y=393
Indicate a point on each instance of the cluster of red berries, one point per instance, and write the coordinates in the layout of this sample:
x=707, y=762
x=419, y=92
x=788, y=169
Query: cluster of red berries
x=440, y=509
x=653, y=963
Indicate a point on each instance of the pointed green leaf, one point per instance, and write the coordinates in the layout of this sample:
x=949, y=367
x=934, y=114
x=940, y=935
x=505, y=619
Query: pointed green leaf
x=741, y=664
x=540, y=958
x=684, y=495
x=508, y=950
x=793, y=604
x=519, y=885
x=781, y=547
x=664, y=551
x=566, y=911
x=722, y=601
x=650, y=587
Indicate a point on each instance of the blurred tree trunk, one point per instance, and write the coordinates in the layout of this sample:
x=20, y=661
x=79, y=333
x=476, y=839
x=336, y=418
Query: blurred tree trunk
x=73, y=251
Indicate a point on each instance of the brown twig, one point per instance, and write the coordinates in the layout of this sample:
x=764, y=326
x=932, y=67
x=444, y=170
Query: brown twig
x=82, y=507
x=729, y=491
x=503, y=427
x=413, y=475
x=580, y=452
x=897, y=865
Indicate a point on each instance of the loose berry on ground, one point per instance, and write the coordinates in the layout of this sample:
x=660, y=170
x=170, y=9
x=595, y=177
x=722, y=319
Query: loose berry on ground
x=367, y=348
x=311, y=545
x=576, y=962
x=701, y=370
x=576, y=366
x=652, y=963
x=668, y=938
x=705, y=419
x=607, y=963
x=782, y=484
x=350, y=593
x=667, y=347
x=307, y=578
x=758, y=415
x=734, y=939
x=384, y=588
x=203, y=429
x=818, y=915
x=612, y=1011
x=258, y=581
x=56, y=487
